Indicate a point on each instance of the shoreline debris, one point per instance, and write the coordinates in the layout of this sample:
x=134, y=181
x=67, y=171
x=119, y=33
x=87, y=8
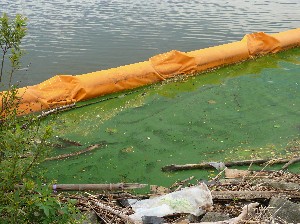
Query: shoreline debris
x=196, y=200
x=242, y=196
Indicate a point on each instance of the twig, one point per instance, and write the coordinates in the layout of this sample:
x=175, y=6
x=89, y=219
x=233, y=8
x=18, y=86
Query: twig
x=181, y=183
x=90, y=148
x=256, y=174
x=219, y=175
x=35, y=158
x=69, y=141
x=294, y=160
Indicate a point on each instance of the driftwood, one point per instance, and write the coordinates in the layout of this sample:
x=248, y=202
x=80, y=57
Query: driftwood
x=97, y=187
x=235, y=173
x=206, y=165
x=251, y=195
x=90, y=148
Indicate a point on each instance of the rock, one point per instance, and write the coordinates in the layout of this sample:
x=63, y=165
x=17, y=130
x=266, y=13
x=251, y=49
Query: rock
x=214, y=217
x=152, y=220
x=283, y=209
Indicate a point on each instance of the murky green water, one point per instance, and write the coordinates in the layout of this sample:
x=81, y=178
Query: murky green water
x=248, y=110
x=75, y=37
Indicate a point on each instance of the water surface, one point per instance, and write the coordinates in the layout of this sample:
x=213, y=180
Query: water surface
x=75, y=37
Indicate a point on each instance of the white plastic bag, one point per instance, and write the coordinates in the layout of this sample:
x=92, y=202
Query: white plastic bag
x=194, y=200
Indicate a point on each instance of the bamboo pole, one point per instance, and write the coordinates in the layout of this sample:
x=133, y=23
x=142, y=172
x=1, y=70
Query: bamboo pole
x=97, y=187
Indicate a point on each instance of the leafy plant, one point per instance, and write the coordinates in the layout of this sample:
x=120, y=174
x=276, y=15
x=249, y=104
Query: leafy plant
x=23, y=145
x=11, y=34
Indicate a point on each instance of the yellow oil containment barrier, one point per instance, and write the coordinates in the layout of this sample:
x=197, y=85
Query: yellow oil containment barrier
x=62, y=90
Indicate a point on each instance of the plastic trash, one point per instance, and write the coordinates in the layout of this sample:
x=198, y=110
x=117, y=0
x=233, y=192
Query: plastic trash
x=218, y=165
x=194, y=200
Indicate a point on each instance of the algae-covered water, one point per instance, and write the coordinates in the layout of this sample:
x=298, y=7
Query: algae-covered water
x=247, y=110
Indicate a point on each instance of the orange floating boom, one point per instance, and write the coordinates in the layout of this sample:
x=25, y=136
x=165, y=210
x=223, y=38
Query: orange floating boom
x=62, y=90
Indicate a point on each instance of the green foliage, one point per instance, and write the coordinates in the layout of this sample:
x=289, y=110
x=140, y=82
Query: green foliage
x=11, y=34
x=35, y=203
x=23, y=145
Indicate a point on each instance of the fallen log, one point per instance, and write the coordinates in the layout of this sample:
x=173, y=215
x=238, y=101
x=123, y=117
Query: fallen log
x=251, y=195
x=207, y=165
x=97, y=187
x=63, y=156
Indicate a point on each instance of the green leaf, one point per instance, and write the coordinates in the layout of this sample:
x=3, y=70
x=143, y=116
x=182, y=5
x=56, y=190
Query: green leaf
x=46, y=210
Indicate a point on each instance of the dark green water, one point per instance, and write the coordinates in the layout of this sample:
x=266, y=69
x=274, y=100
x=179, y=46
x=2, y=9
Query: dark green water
x=248, y=110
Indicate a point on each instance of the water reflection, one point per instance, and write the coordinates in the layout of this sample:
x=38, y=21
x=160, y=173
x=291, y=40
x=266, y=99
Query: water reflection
x=74, y=37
